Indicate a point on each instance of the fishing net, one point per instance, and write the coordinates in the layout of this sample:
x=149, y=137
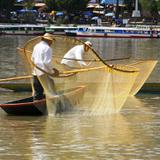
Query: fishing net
x=96, y=89
x=145, y=69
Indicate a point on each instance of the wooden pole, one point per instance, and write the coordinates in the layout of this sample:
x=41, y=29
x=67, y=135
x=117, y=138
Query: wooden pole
x=16, y=78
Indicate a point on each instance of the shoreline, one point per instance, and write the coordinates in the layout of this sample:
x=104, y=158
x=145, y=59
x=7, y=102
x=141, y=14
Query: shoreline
x=26, y=87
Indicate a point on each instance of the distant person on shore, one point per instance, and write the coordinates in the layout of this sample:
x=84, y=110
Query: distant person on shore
x=42, y=58
x=75, y=55
x=99, y=21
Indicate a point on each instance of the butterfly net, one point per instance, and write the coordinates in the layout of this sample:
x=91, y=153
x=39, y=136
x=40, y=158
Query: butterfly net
x=145, y=69
x=96, y=89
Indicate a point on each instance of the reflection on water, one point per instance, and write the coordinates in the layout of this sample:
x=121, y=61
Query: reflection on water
x=10, y=96
x=10, y=60
x=131, y=134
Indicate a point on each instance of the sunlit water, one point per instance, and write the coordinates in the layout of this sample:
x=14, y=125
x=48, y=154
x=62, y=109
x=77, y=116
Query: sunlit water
x=133, y=134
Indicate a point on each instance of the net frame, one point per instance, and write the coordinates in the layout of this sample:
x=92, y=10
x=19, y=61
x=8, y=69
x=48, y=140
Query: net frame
x=145, y=69
x=101, y=68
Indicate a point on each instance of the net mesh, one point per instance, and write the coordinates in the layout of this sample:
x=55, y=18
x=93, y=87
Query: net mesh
x=96, y=89
x=145, y=69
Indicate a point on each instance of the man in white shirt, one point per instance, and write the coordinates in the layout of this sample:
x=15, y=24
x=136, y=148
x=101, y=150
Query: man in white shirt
x=75, y=54
x=42, y=58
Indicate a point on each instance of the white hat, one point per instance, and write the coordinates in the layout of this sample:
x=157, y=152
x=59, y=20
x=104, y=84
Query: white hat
x=88, y=43
x=48, y=36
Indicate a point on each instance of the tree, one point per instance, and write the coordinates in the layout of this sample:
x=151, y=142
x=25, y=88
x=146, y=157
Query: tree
x=51, y=4
x=149, y=8
x=158, y=5
x=70, y=6
x=7, y=5
x=28, y=4
x=129, y=5
x=154, y=9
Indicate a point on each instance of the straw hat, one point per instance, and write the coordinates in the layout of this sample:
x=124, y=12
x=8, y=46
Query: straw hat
x=88, y=43
x=48, y=36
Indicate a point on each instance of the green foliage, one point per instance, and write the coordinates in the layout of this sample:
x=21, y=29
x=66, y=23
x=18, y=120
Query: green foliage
x=70, y=6
x=150, y=5
x=158, y=5
x=146, y=4
x=7, y=5
x=129, y=5
x=51, y=4
x=29, y=4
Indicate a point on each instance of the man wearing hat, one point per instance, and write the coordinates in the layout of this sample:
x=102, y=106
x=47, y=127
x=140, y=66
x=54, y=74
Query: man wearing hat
x=42, y=58
x=75, y=55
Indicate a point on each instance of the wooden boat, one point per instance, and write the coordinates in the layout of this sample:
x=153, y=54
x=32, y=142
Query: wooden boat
x=115, y=32
x=27, y=106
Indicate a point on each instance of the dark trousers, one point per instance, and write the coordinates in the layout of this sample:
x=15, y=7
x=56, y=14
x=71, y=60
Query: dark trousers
x=38, y=89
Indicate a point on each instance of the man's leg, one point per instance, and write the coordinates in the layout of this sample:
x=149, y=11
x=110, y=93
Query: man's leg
x=38, y=89
x=50, y=93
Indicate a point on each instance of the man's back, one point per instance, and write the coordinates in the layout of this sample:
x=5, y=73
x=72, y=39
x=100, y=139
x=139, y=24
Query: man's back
x=75, y=53
x=42, y=56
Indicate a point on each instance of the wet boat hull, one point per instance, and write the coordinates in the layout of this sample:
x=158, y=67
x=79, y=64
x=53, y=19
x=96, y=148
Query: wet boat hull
x=66, y=100
x=25, y=106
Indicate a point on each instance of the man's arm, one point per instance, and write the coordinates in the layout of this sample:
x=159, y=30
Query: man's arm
x=78, y=56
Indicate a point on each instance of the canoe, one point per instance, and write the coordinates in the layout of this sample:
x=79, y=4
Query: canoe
x=70, y=97
x=25, y=106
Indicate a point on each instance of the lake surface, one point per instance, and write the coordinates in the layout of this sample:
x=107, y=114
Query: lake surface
x=133, y=134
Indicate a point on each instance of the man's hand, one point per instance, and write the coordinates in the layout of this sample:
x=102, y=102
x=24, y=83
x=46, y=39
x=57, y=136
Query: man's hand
x=55, y=72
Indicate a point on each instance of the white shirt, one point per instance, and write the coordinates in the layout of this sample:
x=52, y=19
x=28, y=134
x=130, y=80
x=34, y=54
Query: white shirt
x=42, y=57
x=74, y=53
